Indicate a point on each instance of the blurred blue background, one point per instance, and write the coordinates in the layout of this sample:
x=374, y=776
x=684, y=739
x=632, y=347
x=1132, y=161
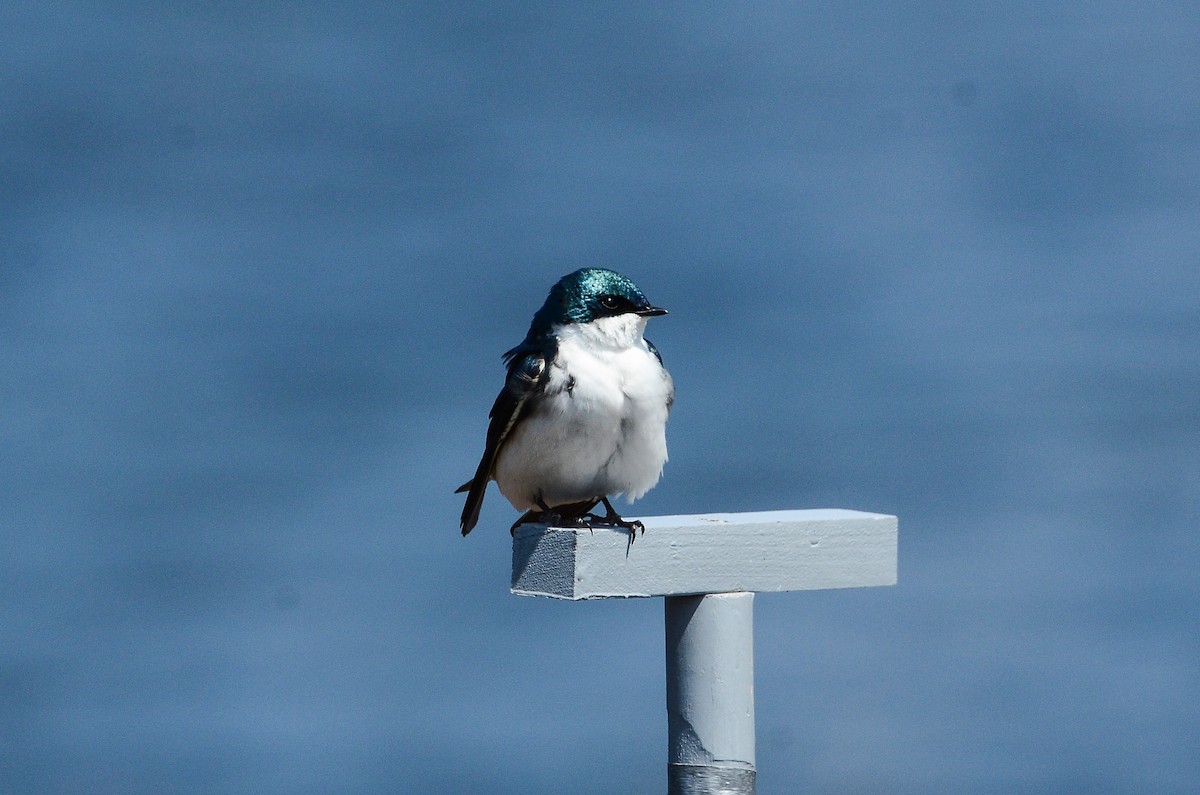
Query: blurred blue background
x=258, y=264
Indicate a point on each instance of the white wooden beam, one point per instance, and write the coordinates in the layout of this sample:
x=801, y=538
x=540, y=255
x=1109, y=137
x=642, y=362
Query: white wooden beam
x=708, y=553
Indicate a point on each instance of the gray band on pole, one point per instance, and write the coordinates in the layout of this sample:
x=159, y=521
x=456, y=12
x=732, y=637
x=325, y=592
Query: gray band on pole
x=705, y=780
x=710, y=694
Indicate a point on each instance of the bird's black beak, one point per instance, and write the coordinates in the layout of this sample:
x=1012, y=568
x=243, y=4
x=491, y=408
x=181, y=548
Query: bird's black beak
x=650, y=311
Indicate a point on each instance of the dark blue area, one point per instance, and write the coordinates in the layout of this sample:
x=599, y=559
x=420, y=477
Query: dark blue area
x=258, y=266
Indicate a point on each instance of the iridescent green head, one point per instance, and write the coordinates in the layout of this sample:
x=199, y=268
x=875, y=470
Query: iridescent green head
x=589, y=294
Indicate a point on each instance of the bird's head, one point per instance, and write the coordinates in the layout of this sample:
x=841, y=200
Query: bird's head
x=590, y=294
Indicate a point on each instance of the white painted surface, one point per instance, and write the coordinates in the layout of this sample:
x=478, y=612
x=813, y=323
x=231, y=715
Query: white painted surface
x=710, y=693
x=709, y=553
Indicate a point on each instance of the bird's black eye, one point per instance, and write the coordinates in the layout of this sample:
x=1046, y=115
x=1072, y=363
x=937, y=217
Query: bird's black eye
x=609, y=301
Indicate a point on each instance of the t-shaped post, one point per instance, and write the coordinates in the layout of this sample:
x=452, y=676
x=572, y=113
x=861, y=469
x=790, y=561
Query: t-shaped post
x=708, y=567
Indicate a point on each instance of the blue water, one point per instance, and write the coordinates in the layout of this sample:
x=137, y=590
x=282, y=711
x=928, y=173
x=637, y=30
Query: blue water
x=257, y=267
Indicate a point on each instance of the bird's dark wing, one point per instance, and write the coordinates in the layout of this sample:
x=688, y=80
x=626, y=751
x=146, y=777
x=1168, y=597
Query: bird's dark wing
x=654, y=350
x=527, y=375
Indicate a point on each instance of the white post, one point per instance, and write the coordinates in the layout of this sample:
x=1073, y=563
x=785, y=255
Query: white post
x=708, y=567
x=710, y=694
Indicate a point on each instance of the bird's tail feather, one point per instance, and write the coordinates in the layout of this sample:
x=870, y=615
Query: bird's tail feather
x=470, y=514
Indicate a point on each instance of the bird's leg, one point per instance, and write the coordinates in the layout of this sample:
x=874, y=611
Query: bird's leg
x=575, y=514
x=546, y=516
x=614, y=519
x=529, y=517
x=543, y=515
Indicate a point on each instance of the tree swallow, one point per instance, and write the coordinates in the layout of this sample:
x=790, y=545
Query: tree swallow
x=583, y=412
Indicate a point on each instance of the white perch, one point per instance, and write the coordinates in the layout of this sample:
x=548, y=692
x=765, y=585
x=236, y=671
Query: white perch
x=708, y=566
x=708, y=553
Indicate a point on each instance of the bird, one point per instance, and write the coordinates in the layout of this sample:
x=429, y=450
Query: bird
x=583, y=412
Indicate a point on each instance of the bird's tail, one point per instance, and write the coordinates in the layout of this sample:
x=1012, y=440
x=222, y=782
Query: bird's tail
x=475, y=489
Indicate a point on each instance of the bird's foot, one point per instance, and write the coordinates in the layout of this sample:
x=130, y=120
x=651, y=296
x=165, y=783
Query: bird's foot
x=574, y=514
x=612, y=519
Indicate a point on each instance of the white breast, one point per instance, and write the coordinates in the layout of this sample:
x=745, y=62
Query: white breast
x=600, y=427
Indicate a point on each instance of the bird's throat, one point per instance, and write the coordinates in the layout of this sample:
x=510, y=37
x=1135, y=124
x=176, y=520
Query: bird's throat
x=607, y=333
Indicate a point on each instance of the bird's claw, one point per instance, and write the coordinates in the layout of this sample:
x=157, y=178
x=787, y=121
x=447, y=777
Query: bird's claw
x=613, y=519
x=634, y=527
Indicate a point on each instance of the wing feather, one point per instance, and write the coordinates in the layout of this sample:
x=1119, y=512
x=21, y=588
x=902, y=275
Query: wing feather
x=527, y=375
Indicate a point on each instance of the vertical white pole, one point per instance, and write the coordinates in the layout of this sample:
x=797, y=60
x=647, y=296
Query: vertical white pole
x=710, y=694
